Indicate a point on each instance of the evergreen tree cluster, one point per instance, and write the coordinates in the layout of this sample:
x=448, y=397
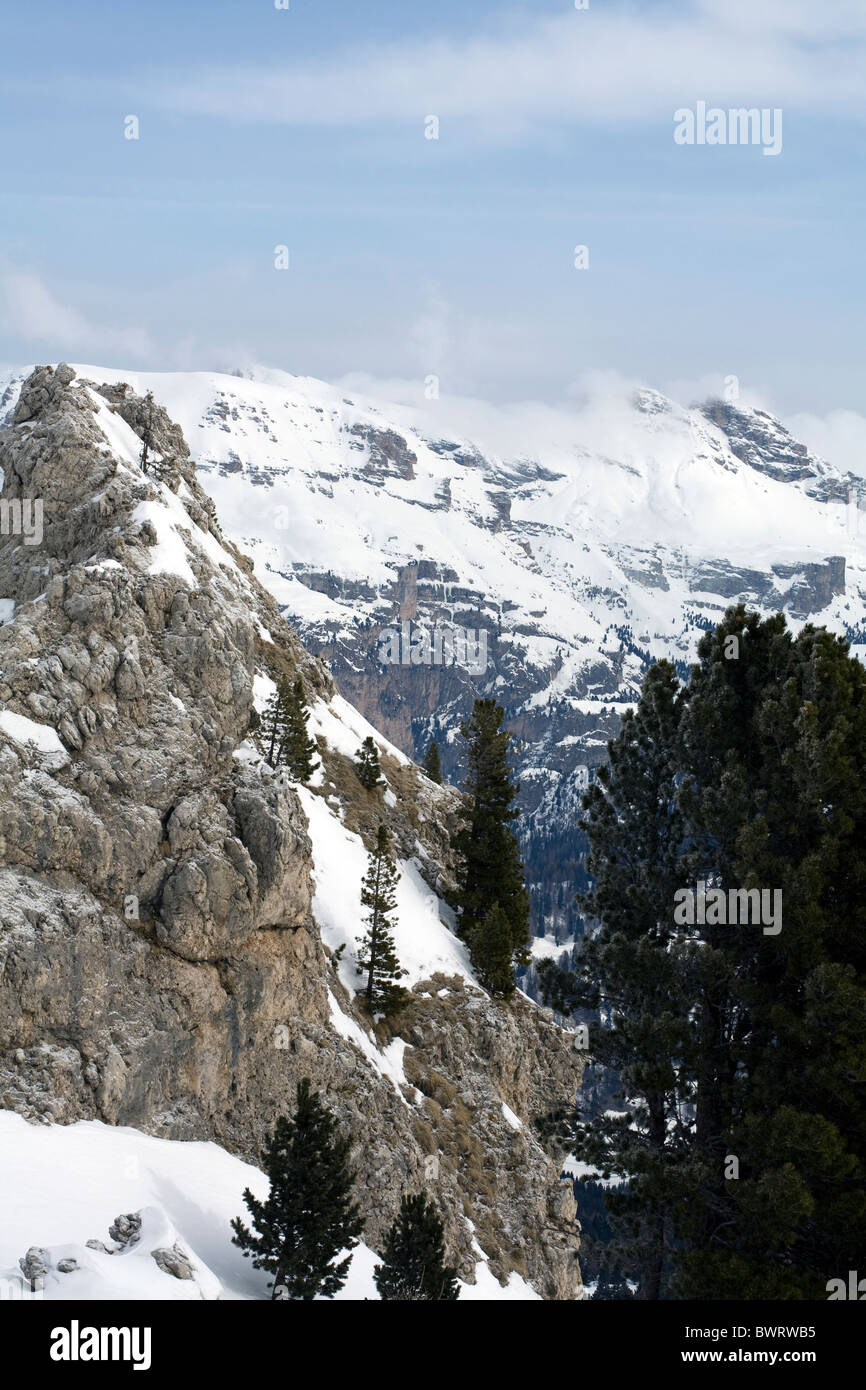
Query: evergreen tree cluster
x=741, y=1053
x=309, y=1219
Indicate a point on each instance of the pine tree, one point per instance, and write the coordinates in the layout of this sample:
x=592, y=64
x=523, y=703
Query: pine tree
x=298, y=750
x=274, y=723
x=376, y=953
x=633, y=967
x=308, y=1217
x=490, y=869
x=367, y=768
x=492, y=952
x=432, y=765
x=414, y=1268
x=774, y=742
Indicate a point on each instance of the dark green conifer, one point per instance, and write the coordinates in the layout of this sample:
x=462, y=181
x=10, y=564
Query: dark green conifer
x=298, y=750
x=144, y=420
x=432, y=765
x=743, y=1131
x=634, y=967
x=376, y=953
x=492, y=952
x=367, y=768
x=308, y=1217
x=414, y=1268
x=491, y=871
x=273, y=726
x=283, y=731
x=774, y=745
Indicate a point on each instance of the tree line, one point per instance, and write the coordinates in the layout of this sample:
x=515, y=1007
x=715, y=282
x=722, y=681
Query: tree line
x=740, y=1133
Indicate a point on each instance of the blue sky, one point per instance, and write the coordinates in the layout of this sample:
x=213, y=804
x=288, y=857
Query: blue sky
x=261, y=127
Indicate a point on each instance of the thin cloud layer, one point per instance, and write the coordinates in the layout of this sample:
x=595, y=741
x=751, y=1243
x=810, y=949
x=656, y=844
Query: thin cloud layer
x=839, y=436
x=31, y=313
x=590, y=65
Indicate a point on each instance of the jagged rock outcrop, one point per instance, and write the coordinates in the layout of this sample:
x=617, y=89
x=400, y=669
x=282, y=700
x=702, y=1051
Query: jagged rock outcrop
x=160, y=961
x=174, y=1261
x=34, y=1266
x=765, y=445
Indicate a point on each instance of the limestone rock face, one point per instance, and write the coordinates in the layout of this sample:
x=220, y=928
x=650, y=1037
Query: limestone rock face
x=160, y=961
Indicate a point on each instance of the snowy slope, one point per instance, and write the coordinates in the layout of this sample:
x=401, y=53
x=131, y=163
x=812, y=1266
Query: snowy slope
x=424, y=942
x=71, y=1182
x=423, y=932
x=423, y=925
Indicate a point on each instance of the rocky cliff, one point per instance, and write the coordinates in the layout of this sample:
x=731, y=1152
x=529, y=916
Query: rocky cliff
x=166, y=898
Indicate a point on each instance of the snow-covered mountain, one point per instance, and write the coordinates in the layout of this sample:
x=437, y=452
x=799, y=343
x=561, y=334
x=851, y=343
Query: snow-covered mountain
x=568, y=549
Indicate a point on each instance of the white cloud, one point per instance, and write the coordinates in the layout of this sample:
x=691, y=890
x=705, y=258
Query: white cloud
x=593, y=65
x=430, y=335
x=596, y=405
x=31, y=313
x=839, y=437
x=826, y=22
x=718, y=386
